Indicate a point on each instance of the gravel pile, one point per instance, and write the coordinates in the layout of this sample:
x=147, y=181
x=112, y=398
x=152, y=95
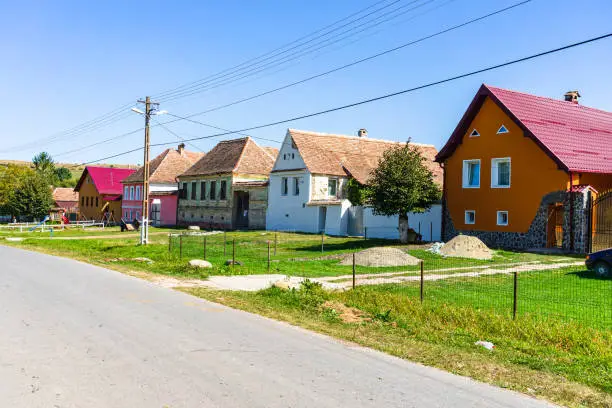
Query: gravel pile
x=381, y=256
x=464, y=246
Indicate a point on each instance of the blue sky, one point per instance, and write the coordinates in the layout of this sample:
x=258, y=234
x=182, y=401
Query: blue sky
x=68, y=62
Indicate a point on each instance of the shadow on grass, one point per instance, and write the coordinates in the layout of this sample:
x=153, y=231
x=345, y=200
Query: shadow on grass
x=586, y=274
x=345, y=246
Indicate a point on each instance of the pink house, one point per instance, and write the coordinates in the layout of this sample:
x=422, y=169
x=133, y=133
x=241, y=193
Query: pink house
x=163, y=187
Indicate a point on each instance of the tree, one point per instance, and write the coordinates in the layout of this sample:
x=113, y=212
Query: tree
x=400, y=184
x=45, y=166
x=30, y=196
x=62, y=173
x=10, y=179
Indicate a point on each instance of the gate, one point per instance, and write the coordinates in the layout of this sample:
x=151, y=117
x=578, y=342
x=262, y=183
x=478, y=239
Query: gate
x=601, y=222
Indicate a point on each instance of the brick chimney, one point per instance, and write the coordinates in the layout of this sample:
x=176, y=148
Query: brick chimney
x=572, y=96
x=362, y=133
x=181, y=148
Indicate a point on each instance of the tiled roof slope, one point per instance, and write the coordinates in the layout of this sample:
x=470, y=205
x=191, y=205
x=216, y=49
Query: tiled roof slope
x=106, y=179
x=65, y=194
x=242, y=156
x=577, y=137
x=167, y=166
x=325, y=153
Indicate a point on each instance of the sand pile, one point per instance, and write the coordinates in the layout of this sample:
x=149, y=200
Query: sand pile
x=464, y=246
x=381, y=256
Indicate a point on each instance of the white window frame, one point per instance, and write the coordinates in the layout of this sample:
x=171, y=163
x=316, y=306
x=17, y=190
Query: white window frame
x=284, y=186
x=495, y=174
x=126, y=192
x=474, y=135
x=502, y=132
x=507, y=218
x=465, y=217
x=131, y=192
x=296, y=186
x=465, y=173
x=137, y=192
x=329, y=194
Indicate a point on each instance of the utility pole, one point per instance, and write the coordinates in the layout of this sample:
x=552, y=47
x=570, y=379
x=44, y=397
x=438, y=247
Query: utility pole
x=150, y=109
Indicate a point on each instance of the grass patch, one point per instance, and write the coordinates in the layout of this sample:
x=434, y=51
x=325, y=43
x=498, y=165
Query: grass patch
x=566, y=363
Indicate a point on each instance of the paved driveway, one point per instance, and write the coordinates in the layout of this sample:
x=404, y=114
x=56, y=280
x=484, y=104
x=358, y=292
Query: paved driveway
x=75, y=335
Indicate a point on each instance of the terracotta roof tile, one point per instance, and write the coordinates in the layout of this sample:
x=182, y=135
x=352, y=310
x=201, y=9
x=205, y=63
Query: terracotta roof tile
x=65, y=194
x=577, y=137
x=242, y=156
x=166, y=167
x=338, y=155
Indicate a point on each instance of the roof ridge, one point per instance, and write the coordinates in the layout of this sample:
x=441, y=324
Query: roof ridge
x=244, y=147
x=370, y=139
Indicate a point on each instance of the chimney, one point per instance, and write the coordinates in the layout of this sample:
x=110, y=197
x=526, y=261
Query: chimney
x=181, y=148
x=572, y=96
x=362, y=133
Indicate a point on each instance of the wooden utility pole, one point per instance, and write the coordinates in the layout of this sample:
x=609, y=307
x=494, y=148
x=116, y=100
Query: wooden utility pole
x=144, y=228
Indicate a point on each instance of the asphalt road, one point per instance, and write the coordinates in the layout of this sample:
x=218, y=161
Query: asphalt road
x=75, y=335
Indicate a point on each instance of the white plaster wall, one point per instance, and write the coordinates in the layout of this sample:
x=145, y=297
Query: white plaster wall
x=291, y=212
x=288, y=158
x=337, y=218
x=379, y=226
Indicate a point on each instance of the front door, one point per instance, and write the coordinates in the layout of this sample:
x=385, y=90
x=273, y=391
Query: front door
x=322, y=218
x=156, y=213
x=241, y=208
x=554, y=227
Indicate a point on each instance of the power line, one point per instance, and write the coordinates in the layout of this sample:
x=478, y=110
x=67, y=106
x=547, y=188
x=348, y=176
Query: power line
x=386, y=96
x=181, y=139
x=291, y=57
x=362, y=60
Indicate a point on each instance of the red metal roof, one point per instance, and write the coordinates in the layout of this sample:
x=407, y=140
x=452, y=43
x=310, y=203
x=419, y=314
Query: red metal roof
x=577, y=137
x=106, y=179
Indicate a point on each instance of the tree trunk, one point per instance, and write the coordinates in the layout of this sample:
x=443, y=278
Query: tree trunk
x=403, y=228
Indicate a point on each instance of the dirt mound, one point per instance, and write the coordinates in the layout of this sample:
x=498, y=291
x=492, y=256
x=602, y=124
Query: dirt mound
x=381, y=256
x=345, y=313
x=464, y=246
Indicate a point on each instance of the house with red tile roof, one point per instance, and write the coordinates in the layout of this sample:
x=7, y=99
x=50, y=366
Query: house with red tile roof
x=520, y=170
x=65, y=201
x=100, y=192
x=307, y=186
x=163, y=187
x=227, y=188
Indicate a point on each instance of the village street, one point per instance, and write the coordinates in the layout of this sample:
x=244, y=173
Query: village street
x=77, y=335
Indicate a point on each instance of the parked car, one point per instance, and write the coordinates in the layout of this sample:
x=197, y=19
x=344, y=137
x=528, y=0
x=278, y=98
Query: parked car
x=600, y=262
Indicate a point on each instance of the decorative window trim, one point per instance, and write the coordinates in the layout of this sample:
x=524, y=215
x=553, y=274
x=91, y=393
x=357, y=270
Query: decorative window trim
x=494, y=174
x=503, y=129
x=507, y=219
x=465, y=217
x=474, y=133
x=464, y=177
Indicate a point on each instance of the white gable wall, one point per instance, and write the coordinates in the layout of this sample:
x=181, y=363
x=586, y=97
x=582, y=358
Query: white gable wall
x=288, y=158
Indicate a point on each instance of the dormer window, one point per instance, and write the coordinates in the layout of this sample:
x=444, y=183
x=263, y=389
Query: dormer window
x=474, y=133
x=502, y=130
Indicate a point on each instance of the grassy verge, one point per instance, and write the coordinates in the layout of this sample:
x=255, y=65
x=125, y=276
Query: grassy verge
x=563, y=362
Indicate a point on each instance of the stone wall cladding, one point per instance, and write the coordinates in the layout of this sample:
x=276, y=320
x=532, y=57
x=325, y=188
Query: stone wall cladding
x=535, y=237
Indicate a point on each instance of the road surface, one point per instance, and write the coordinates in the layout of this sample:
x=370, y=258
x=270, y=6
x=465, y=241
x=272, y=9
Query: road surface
x=76, y=335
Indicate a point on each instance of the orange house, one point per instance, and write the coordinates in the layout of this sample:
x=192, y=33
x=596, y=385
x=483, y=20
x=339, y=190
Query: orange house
x=521, y=171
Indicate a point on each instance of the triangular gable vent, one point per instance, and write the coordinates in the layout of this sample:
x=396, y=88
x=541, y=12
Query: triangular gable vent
x=474, y=133
x=502, y=129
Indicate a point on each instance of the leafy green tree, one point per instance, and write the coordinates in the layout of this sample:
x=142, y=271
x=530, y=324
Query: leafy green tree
x=30, y=195
x=62, y=174
x=45, y=166
x=400, y=184
x=10, y=178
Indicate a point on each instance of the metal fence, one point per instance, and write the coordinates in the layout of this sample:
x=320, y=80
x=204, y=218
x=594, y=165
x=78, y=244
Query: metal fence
x=511, y=284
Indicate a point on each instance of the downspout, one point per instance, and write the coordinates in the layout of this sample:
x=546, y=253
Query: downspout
x=443, y=201
x=571, y=210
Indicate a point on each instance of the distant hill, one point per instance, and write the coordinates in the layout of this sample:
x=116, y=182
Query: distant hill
x=75, y=169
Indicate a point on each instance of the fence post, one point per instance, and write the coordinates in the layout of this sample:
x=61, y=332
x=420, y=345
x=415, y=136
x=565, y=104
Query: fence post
x=275, y=241
x=515, y=297
x=204, y=247
x=420, y=228
x=181, y=246
x=233, y=253
x=268, y=256
x=170, y=242
x=365, y=233
x=224, y=242
x=431, y=231
x=322, y=239
x=353, y=270
x=422, y=279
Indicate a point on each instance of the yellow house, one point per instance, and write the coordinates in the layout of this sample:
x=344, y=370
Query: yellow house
x=521, y=171
x=100, y=193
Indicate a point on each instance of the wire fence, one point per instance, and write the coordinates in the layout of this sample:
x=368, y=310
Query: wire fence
x=512, y=284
